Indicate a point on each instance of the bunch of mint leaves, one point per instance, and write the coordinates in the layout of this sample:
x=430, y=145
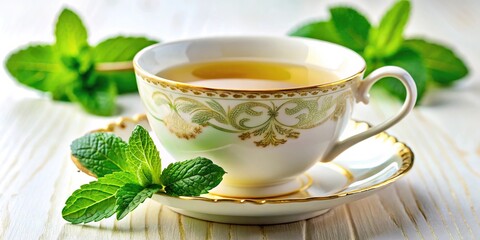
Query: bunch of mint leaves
x=72, y=70
x=429, y=63
x=129, y=173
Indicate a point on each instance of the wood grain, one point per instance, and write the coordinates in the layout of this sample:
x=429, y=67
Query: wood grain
x=438, y=199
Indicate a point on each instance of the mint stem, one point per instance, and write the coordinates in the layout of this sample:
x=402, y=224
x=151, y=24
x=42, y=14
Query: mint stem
x=114, y=66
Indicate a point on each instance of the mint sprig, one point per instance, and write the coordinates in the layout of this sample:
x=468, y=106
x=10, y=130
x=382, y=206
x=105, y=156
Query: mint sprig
x=428, y=62
x=129, y=173
x=72, y=70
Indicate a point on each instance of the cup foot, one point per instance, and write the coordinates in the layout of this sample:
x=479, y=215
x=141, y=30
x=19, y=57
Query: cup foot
x=285, y=188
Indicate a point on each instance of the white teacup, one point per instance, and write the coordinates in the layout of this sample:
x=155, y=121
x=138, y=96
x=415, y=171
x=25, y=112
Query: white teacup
x=263, y=138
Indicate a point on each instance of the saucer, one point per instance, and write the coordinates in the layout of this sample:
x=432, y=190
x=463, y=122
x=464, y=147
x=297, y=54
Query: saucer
x=357, y=173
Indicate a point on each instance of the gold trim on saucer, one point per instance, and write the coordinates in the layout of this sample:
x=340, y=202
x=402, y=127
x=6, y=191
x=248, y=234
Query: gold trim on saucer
x=403, y=151
x=121, y=123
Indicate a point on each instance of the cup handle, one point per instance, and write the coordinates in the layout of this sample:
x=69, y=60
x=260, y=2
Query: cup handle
x=362, y=95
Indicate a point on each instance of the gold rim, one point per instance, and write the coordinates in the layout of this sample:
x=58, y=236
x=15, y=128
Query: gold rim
x=152, y=78
x=403, y=151
x=156, y=80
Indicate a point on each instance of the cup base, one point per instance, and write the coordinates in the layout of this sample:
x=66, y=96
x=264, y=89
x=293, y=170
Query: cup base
x=276, y=190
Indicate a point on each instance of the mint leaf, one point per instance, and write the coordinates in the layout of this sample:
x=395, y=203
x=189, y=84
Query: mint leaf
x=124, y=80
x=192, y=177
x=96, y=200
x=98, y=98
x=386, y=39
x=413, y=63
x=143, y=153
x=131, y=195
x=120, y=49
x=352, y=27
x=101, y=153
x=70, y=34
x=40, y=67
x=347, y=27
x=323, y=30
x=444, y=66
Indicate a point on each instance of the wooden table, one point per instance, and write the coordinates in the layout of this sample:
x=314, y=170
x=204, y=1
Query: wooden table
x=438, y=199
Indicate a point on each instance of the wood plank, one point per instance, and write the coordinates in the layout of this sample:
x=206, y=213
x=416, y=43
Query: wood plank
x=373, y=221
x=31, y=172
x=219, y=231
x=335, y=224
x=295, y=230
x=170, y=227
x=242, y=232
x=194, y=228
x=397, y=201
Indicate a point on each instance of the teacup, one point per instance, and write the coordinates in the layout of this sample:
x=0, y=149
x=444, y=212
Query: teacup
x=264, y=136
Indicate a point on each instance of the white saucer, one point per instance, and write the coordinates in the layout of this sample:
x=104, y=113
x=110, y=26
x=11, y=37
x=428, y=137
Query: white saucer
x=358, y=172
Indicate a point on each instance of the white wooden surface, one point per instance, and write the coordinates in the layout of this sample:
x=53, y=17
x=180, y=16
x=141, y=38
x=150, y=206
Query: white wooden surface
x=439, y=199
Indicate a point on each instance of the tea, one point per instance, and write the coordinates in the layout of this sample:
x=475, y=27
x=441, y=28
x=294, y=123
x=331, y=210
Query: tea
x=248, y=74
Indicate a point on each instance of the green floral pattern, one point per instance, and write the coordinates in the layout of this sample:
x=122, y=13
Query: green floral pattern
x=256, y=120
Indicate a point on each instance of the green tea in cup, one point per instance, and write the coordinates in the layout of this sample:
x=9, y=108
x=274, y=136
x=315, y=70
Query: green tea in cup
x=248, y=74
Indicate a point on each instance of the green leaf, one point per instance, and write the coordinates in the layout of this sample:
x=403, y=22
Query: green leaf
x=413, y=63
x=70, y=34
x=144, y=175
x=124, y=80
x=352, y=27
x=143, y=153
x=96, y=200
x=119, y=49
x=444, y=66
x=97, y=98
x=101, y=153
x=387, y=38
x=347, y=27
x=322, y=30
x=40, y=67
x=131, y=195
x=192, y=177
